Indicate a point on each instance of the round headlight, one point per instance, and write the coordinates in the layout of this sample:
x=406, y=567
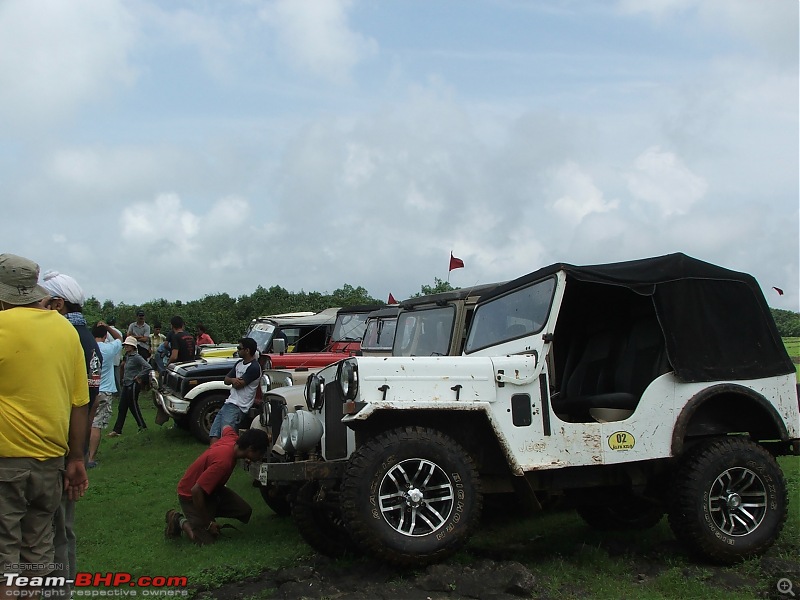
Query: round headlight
x=348, y=379
x=153, y=378
x=315, y=392
x=305, y=431
x=266, y=383
x=284, y=437
x=263, y=416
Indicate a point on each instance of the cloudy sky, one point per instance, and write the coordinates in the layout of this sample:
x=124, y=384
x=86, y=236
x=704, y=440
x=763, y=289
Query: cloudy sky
x=177, y=149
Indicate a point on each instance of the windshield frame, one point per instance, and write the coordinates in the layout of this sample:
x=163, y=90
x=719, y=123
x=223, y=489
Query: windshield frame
x=411, y=337
x=519, y=313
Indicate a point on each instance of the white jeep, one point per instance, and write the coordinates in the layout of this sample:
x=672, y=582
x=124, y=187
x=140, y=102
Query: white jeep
x=630, y=389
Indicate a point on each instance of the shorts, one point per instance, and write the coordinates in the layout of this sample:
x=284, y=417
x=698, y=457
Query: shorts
x=30, y=495
x=229, y=414
x=103, y=414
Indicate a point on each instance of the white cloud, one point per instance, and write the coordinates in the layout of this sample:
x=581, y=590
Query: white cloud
x=316, y=36
x=660, y=178
x=772, y=31
x=176, y=232
x=578, y=195
x=56, y=56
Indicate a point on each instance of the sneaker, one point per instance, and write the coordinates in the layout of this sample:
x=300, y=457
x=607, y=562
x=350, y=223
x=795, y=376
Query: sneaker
x=173, y=527
x=161, y=416
x=91, y=464
x=113, y=434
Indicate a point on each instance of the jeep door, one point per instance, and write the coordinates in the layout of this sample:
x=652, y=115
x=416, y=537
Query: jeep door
x=514, y=328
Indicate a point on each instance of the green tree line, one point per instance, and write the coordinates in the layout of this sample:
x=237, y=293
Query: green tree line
x=226, y=318
x=788, y=322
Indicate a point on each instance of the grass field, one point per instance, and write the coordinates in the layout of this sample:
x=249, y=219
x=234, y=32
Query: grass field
x=120, y=526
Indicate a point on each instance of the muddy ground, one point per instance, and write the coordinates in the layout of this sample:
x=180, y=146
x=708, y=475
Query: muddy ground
x=495, y=577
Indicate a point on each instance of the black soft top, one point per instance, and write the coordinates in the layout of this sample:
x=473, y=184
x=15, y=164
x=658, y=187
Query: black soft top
x=716, y=322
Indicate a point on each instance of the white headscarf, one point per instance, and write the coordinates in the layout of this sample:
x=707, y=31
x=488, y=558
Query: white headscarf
x=63, y=286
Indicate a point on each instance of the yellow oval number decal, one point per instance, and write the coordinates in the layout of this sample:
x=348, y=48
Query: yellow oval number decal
x=621, y=440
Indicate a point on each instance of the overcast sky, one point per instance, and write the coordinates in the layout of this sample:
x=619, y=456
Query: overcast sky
x=177, y=149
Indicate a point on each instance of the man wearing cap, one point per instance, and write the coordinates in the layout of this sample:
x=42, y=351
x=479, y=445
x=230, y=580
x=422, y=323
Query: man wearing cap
x=67, y=298
x=44, y=400
x=141, y=331
x=135, y=371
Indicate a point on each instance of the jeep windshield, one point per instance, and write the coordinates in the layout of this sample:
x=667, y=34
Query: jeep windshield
x=424, y=332
x=262, y=333
x=519, y=313
x=349, y=327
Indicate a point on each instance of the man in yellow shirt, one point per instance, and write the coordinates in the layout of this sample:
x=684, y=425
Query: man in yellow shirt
x=44, y=395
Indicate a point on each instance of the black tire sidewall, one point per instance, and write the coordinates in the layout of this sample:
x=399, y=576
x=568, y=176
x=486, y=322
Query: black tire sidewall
x=320, y=529
x=276, y=496
x=199, y=411
x=691, y=518
x=363, y=478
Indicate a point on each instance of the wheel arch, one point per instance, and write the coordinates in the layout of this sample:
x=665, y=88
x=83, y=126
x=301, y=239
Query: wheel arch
x=727, y=408
x=208, y=387
x=469, y=428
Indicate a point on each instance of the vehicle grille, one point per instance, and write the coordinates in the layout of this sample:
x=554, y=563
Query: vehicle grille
x=172, y=381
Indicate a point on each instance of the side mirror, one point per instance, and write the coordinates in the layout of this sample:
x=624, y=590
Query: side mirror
x=279, y=346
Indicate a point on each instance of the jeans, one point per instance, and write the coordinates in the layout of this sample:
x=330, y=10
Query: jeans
x=229, y=414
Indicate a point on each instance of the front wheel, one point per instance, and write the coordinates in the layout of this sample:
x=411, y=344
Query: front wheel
x=411, y=496
x=202, y=414
x=729, y=500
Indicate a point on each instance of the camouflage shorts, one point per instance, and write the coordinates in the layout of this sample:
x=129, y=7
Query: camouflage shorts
x=103, y=414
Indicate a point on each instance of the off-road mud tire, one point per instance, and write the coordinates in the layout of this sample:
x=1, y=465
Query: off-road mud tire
x=202, y=413
x=745, y=472
x=408, y=452
x=316, y=512
x=277, y=498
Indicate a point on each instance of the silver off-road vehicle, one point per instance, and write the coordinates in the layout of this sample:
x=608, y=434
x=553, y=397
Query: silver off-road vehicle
x=629, y=390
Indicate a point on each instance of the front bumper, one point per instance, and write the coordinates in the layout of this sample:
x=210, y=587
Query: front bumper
x=171, y=404
x=306, y=470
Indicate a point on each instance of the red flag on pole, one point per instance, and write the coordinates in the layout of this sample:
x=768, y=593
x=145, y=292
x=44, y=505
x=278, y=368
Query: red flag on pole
x=779, y=290
x=455, y=263
x=391, y=299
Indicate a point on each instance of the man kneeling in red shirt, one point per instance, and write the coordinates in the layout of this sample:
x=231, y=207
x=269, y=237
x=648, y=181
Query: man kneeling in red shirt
x=202, y=492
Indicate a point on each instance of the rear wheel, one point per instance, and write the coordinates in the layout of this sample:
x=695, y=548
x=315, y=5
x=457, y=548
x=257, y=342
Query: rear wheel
x=730, y=500
x=202, y=413
x=411, y=496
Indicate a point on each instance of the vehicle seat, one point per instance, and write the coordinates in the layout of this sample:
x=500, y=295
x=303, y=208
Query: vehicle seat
x=614, y=376
x=587, y=371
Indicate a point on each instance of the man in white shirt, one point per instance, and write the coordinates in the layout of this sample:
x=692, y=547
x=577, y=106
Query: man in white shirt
x=243, y=379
